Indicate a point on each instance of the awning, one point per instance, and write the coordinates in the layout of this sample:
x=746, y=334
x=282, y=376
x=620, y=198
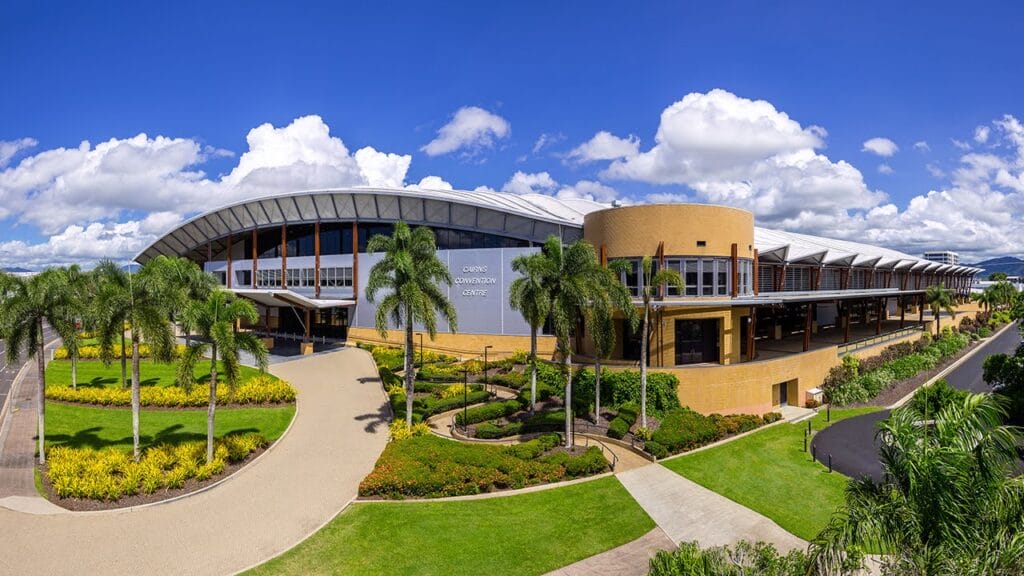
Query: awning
x=784, y=297
x=289, y=298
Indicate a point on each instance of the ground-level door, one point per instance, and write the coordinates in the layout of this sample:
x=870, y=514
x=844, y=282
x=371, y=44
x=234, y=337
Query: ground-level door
x=696, y=341
x=331, y=323
x=781, y=393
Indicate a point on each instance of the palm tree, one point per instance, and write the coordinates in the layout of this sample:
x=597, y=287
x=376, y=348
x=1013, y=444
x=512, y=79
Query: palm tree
x=79, y=288
x=186, y=282
x=410, y=274
x=26, y=304
x=650, y=282
x=215, y=320
x=577, y=284
x=940, y=298
x=141, y=299
x=529, y=295
x=948, y=502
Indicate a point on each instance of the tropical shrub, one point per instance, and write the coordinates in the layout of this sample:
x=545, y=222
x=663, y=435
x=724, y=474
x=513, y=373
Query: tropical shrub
x=629, y=412
x=430, y=467
x=515, y=380
x=111, y=474
x=520, y=357
x=440, y=373
x=655, y=449
x=622, y=386
x=618, y=428
x=540, y=422
x=684, y=429
x=743, y=559
x=933, y=399
x=260, y=389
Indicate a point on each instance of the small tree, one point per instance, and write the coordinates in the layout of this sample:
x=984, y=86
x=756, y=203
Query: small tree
x=410, y=273
x=215, y=319
x=650, y=282
x=939, y=298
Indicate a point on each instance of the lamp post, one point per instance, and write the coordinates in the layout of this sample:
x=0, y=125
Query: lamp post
x=485, y=365
x=421, y=349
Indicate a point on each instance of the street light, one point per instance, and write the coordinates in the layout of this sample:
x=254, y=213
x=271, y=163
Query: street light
x=485, y=364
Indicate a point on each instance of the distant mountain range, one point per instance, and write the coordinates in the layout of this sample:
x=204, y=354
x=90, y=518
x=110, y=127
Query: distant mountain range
x=1011, y=265
x=15, y=270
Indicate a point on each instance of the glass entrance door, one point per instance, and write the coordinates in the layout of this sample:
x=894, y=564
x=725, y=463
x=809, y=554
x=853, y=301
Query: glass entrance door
x=696, y=341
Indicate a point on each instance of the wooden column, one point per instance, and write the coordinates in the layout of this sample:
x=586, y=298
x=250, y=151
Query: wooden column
x=254, y=265
x=355, y=262
x=903, y=311
x=846, y=323
x=306, y=339
x=920, y=309
x=284, y=256
x=230, y=272
x=756, y=274
x=807, y=327
x=844, y=279
x=780, y=277
x=735, y=270
x=604, y=255
x=316, y=258
x=751, y=333
x=878, y=316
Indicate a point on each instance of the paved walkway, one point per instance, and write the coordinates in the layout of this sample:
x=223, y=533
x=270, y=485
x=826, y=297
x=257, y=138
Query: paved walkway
x=632, y=559
x=265, y=509
x=687, y=511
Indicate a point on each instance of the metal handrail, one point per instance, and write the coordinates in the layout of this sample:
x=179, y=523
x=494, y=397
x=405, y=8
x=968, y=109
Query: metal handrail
x=604, y=448
x=872, y=340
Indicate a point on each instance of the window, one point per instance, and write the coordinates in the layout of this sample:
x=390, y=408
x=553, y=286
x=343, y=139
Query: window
x=631, y=277
x=270, y=278
x=691, y=277
x=766, y=278
x=723, y=271
x=677, y=265
x=336, y=277
x=707, y=277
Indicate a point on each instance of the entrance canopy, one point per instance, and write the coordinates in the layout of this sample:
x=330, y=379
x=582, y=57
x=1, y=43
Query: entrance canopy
x=277, y=298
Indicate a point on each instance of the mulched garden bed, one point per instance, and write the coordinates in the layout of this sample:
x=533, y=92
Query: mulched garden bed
x=174, y=408
x=190, y=485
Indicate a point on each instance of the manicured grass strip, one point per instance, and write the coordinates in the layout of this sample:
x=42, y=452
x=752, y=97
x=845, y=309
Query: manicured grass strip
x=87, y=426
x=94, y=373
x=769, y=472
x=516, y=535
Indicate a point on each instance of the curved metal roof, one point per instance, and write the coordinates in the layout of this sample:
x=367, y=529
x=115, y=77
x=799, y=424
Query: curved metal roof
x=528, y=216
x=794, y=248
x=532, y=217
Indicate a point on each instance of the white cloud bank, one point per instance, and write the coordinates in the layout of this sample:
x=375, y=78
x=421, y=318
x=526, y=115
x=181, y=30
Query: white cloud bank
x=881, y=147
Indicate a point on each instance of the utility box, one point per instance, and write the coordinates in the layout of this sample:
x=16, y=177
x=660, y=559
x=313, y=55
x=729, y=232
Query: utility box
x=815, y=395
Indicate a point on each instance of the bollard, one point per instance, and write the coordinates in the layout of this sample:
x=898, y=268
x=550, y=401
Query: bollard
x=828, y=413
x=808, y=426
x=829, y=463
x=805, y=443
x=814, y=452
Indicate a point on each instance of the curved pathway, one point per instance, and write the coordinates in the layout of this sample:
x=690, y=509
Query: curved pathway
x=339, y=430
x=852, y=442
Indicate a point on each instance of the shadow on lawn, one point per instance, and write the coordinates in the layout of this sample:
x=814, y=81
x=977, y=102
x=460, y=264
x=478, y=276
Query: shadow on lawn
x=89, y=438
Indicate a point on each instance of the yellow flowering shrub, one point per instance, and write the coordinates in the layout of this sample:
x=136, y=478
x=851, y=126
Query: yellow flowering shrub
x=260, y=389
x=453, y=391
x=93, y=352
x=399, y=430
x=111, y=474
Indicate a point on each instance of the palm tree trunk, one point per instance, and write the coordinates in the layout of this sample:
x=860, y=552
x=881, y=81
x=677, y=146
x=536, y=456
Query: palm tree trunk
x=567, y=360
x=41, y=395
x=597, y=390
x=74, y=371
x=135, y=395
x=124, y=360
x=643, y=369
x=409, y=384
x=212, y=409
x=533, y=368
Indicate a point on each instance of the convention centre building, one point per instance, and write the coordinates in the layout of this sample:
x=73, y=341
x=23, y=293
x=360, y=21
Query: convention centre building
x=761, y=318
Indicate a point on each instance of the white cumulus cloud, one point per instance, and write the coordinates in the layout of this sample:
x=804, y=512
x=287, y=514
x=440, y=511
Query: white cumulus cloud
x=470, y=129
x=981, y=134
x=922, y=146
x=884, y=168
x=8, y=148
x=527, y=183
x=880, y=146
x=605, y=146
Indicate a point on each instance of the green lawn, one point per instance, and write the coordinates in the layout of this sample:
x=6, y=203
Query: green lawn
x=516, y=535
x=769, y=472
x=87, y=426
x=94, y=373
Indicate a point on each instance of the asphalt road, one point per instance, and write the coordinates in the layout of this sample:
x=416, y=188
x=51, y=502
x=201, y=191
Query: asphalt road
x=852, y=443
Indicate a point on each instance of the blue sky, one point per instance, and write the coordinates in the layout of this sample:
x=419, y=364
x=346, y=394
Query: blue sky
x=389, y=77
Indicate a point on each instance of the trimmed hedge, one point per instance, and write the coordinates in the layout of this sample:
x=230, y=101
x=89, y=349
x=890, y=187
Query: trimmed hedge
x=515, y=380
x=488, y=412
x=683, y=429
x=431, y=467
x=93, y=352
x=260, y=389
x=618, y=428
x=540, y=422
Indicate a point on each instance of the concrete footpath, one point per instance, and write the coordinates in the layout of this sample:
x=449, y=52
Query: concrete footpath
x=266, y=508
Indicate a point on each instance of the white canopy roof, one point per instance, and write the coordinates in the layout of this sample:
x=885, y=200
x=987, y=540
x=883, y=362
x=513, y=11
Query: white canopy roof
x=277, y=298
